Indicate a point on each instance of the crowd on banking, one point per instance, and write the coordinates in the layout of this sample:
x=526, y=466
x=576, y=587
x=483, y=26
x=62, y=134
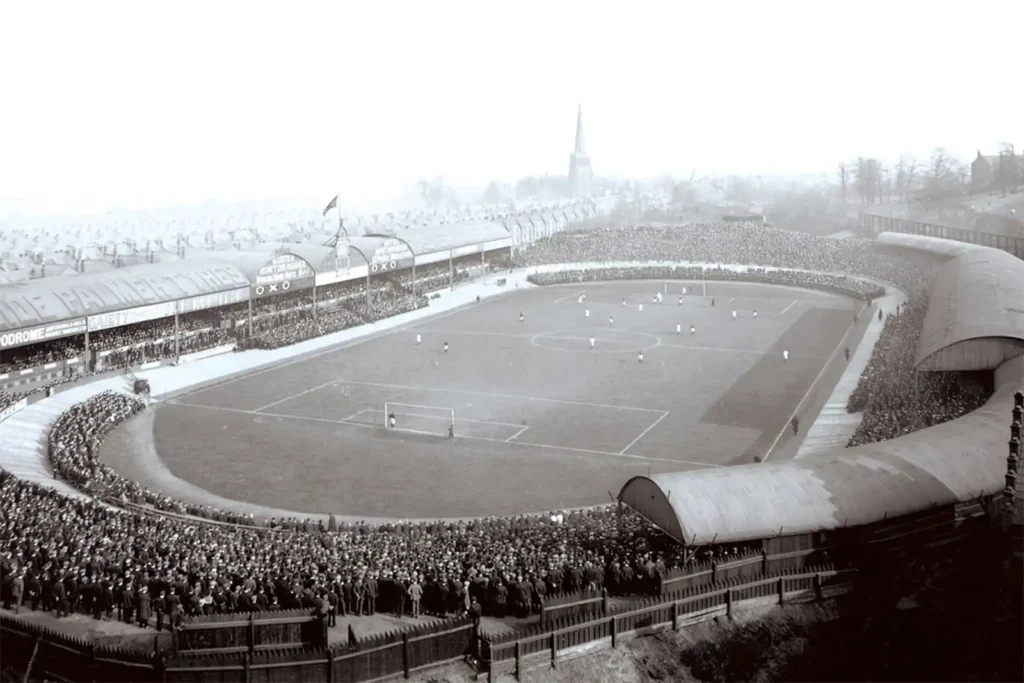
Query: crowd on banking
x=105, y=554
x=886, y=393
x=116, y=546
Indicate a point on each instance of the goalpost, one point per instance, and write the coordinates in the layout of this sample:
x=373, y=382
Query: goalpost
x=422, y=419
x=703, y=283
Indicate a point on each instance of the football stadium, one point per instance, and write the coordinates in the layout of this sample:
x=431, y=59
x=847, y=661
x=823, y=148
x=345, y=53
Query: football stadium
x=364, y=460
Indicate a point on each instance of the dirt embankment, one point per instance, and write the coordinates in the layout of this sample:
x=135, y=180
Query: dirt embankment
x=957, y=617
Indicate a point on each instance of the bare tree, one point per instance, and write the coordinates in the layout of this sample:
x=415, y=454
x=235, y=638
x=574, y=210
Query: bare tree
x=942, y=177
x=842, y=179
x=493, y=193
x=907, y=171
x=867, y=179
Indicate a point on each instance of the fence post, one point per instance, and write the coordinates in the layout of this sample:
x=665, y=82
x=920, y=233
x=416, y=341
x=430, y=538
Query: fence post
x=604, y=602
x=247, y=667
x=161, y=668
x=817, y=587
x=714, y=572
x=405, y=653
x=252, y=633
x=615, y=632
x=92, y=661
x=675, y=616
x=519, y=661
x=554, y=649
x=764, y=562
x=782, y=591
x=728, y=602
x=330, y=666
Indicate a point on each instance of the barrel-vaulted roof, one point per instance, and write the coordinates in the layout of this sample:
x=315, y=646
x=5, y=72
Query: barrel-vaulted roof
x=435, y=238
x=50, y=300
x=977, y=299
x=951, y=462
x=248, y=262
x=320, y=258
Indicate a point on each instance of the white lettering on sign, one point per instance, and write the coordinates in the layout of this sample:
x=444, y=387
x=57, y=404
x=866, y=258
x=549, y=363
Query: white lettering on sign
x=42, y=333
x=282, y=268
x=390, y=251
x=216, y=300
x=131, y=316
x=273, y=288
x=383, y=267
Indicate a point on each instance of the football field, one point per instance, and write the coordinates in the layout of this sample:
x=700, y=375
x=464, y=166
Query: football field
x=542, y=420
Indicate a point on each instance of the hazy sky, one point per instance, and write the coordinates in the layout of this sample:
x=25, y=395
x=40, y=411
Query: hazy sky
x=144, y=103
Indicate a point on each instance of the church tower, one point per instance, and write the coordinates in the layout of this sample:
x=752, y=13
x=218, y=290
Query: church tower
x=581, y=175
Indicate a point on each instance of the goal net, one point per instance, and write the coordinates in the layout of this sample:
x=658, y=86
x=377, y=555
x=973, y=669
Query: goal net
x=409, y=417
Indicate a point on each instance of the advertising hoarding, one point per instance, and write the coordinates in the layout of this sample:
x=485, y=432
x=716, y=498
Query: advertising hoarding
x=41, y=333
x=131, y=316
x=282, y=287
x=215, y=300
x=284, y=268
x=392, y=254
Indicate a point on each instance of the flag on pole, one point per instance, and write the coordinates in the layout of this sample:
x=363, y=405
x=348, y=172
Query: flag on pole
x=332, y=205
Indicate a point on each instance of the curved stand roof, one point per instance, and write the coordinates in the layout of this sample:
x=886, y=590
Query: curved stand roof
x=49, y=300
x=975, y=317
x=955, y=461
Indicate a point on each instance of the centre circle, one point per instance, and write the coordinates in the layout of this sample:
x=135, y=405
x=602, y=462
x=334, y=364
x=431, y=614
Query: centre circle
x=606, y=340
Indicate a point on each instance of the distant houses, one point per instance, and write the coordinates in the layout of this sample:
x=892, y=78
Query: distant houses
x=997, y=173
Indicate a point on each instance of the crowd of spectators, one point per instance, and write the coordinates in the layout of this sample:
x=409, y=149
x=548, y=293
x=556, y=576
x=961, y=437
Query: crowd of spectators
x=34, y=355
x=896, y=400
x=825, y=281
x=114, y=553
x=104, y=556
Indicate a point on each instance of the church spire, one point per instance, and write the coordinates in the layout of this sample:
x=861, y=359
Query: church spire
x=580, y=148
x=580, y=172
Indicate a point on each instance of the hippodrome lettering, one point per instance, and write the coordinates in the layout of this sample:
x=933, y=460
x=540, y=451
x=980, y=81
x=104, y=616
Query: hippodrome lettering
x=42, y=333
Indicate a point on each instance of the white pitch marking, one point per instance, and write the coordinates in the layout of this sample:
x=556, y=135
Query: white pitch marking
x=301, y=393
x=516, y=434
x=731, y=300
x=461, y=419
x=643, y=433
x=495, y=394
x=355, y=415
x=813, y=384
x=474, y=438
x=787, y=308
x=412, y=324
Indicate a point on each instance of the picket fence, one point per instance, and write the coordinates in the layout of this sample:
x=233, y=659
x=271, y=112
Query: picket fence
x=44, y=653
x=570, y=636
x=747, y=565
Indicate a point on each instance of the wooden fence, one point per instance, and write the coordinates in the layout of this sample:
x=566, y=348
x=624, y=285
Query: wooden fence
x=45, y=653
x=572, y=635
x=227, y=633
x=749, y=565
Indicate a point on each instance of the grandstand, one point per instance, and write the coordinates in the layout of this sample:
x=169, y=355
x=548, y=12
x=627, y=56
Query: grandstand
x=917, y=487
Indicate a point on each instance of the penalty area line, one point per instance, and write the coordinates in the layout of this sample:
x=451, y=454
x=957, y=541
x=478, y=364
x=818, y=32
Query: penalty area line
x=643, y=433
